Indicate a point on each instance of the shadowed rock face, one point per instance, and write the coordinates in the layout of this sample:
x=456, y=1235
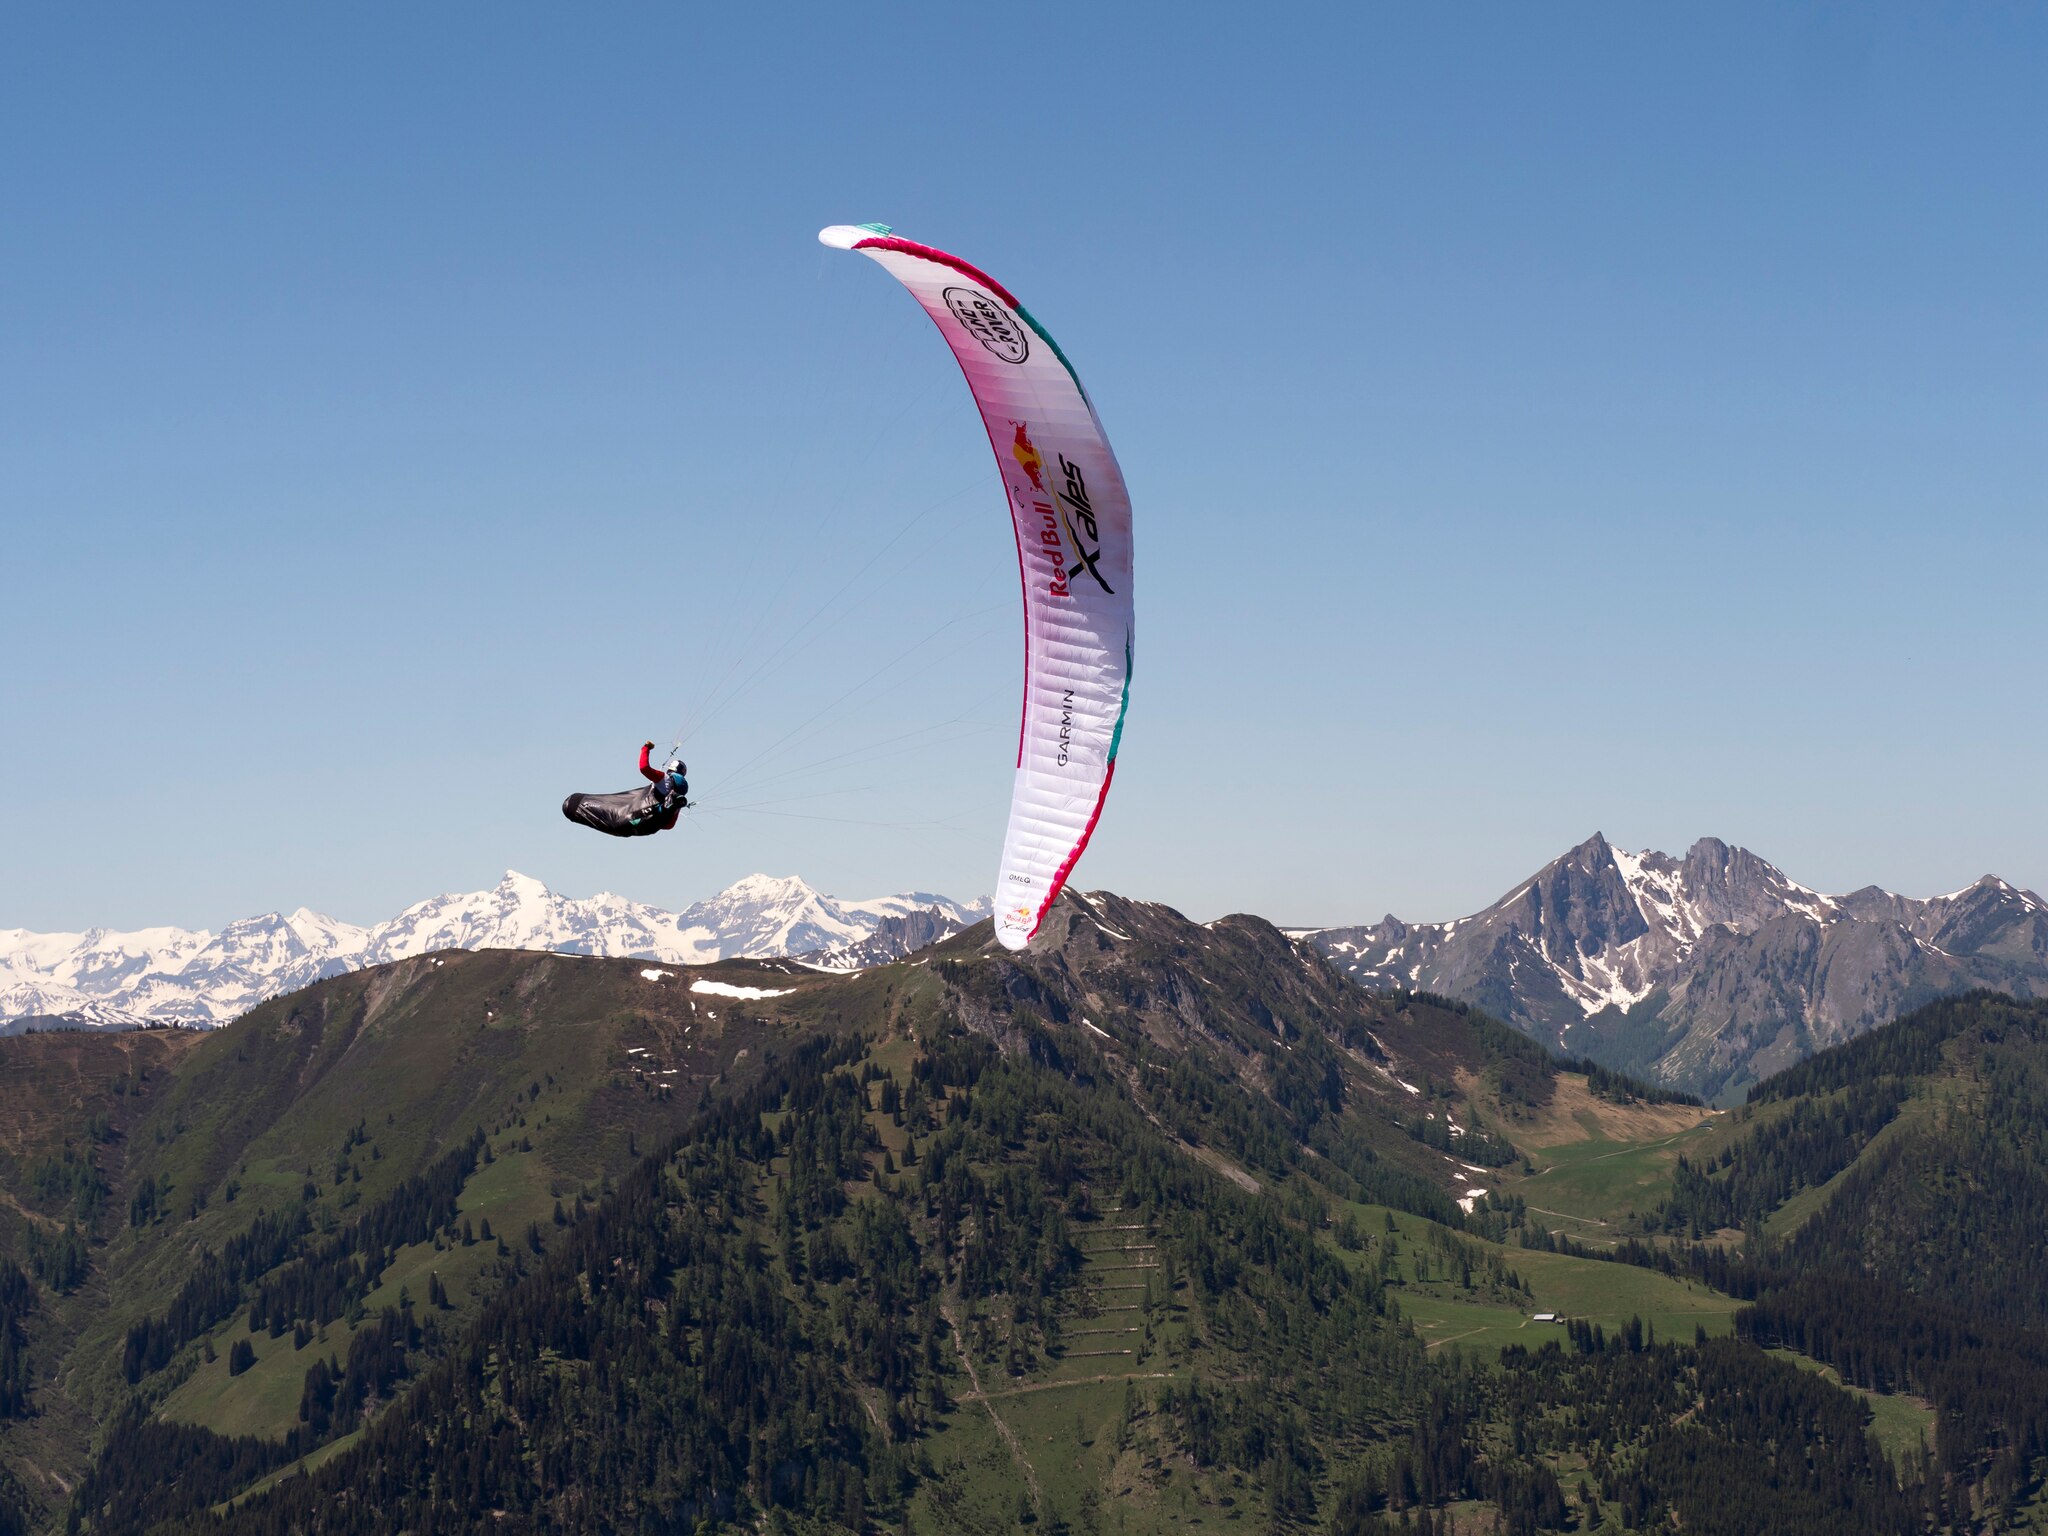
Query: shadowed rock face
x=1705, y=970
x=1244, y=1000
x=894, y=938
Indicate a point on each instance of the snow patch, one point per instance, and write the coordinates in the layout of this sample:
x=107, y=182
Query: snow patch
x=726, y=989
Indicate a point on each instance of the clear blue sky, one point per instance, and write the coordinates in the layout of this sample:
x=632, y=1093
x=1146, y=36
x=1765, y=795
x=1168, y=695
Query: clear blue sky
x=1540, y=419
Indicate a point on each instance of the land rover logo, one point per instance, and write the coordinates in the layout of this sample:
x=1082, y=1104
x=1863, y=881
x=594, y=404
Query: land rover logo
x=989, y=323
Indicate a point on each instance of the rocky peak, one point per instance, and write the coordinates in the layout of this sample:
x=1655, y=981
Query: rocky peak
x=1580, y=905
x=1733, y=888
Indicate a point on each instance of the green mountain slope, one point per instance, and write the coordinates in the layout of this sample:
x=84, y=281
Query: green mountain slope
x=69, y=1103
x=1894, y=1191
x=186, y=1167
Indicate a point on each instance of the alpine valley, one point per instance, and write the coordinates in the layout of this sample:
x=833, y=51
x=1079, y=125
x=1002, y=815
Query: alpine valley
x=1708, y=972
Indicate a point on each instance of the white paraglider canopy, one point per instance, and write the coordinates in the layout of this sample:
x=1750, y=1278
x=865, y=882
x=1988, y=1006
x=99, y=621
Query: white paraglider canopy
x=1072, y=519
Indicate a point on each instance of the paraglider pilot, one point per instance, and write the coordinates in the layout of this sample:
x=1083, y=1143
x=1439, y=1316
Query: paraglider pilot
x=636, y=812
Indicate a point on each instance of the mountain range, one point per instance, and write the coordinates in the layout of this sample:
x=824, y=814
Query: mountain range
x=1705, y=973
x=1708, y=972
x=107, y=979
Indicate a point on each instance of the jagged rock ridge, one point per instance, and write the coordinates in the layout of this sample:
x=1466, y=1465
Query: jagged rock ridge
x=894, y=938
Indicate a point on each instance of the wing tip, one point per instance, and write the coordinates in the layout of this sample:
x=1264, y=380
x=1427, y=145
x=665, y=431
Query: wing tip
x=844, y=237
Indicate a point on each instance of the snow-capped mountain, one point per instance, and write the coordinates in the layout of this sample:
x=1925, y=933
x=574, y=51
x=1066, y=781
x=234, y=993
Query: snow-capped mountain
x=60, y=1013
x=522, y=913
x=1708, y=971
x=761, y=916
x=104, y=979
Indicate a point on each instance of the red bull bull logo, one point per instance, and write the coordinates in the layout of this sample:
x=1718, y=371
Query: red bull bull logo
x=1028, y=458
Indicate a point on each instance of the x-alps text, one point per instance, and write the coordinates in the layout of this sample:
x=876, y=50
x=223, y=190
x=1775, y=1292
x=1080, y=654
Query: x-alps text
x=1074, y=498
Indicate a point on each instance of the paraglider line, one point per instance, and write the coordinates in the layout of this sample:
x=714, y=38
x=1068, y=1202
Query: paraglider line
x=781, y=652
x=844, y=697
x=740, y=778
x=895, y=744
x=851, y=821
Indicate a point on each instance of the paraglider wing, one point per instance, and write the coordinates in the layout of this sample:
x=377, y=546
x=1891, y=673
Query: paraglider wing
x=1072, y=518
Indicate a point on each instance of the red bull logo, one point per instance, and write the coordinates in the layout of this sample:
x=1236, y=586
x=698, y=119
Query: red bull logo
x=1054, y=551
x=1028, y=458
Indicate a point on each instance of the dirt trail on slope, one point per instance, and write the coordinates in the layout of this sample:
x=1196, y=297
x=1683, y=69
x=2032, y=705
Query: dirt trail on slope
x=1009, y=1435
x=1084, y=1381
